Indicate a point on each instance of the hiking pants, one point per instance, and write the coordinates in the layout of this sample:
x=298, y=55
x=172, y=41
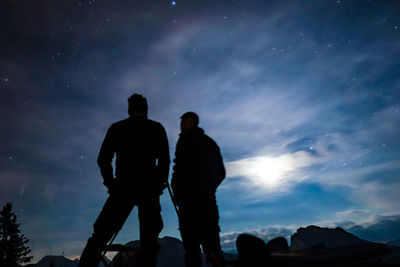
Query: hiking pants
x=198, y=225
x=113, y=215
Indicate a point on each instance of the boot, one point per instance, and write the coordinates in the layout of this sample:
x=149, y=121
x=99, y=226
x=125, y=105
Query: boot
x=147, y=257
x=193, y=260
x=216, y=260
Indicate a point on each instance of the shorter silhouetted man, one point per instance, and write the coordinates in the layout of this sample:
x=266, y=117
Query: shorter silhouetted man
x=198, y=171
x=141, y=171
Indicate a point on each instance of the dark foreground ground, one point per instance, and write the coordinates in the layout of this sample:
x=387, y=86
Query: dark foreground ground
x=355, y=255
x=309, y=247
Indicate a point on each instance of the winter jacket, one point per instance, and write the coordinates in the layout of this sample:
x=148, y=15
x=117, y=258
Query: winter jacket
x=199, y=168
x=142, y=155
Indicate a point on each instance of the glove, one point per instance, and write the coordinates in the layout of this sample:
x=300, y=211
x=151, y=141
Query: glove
x=110, y=184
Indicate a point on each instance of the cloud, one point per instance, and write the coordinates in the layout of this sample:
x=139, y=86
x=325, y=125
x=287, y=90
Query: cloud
x=290, y=106
x=268, y=173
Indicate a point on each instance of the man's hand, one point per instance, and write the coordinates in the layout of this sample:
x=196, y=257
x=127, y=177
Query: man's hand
x=110, y=184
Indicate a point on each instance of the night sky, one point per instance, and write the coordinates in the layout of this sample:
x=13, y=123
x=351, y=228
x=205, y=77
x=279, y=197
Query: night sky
x=303, y=98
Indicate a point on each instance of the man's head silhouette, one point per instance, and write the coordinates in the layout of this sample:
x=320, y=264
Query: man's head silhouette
x=137, y=105
x=189, y=120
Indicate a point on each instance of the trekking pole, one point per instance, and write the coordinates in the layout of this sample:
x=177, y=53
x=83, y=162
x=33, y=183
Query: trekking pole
x=103, y=254
x=110, y=243
x=172, y=198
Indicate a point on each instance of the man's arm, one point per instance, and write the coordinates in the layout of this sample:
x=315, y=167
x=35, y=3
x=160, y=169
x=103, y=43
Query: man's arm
x=105, y=158
x=163, y=157
x=217, y=164
x=182, y=170
x=222, y=172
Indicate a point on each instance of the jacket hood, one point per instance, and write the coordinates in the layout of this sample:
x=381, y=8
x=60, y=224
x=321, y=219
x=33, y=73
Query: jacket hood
x=192, y=131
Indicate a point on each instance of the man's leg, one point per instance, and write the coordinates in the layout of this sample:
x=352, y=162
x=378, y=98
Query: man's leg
x=189, y=228
x=210, y=239
x=151, y=224
x=212, y=249
x=113, y=215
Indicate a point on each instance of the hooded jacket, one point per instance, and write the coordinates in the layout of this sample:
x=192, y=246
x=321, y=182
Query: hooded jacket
x=198, y=169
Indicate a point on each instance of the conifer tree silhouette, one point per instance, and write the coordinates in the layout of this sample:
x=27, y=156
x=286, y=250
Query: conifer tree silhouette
x=13, y=249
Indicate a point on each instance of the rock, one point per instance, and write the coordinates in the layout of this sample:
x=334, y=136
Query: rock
x=394, y=243
x=252, y=251
x=312, y=236
x=56, y=261
x=318, y=246
x=278, y=244
x=171, y=252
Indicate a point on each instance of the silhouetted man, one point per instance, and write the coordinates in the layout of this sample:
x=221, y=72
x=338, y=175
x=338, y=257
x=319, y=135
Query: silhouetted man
x=198, y=171
x=141, y=171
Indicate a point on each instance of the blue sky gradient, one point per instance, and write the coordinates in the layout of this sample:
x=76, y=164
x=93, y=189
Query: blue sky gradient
x=302, y=98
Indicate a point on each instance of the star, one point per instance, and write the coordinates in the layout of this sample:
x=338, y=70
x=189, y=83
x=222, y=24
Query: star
x=173, y=3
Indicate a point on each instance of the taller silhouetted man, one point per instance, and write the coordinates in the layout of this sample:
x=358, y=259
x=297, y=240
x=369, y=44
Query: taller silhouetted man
x=198, y=171
x=141, y=171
